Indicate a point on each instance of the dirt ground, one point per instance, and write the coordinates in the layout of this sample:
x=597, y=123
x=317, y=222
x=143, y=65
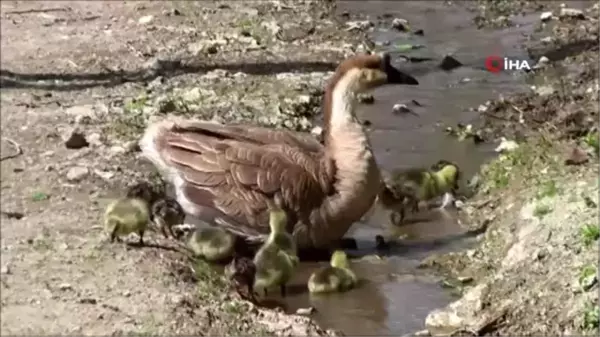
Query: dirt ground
x=536, y=270
x=79, y=82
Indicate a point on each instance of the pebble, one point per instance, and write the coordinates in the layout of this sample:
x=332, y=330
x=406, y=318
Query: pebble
x=400, y=108
x=305, y=311
x=95, y=139
x=77, y=173
x=400, y=24
x=358, y=25
x=6, y=269
x=366, y=98
x=75, y=140
x=546, y=16
x=317, y=131
x=65, y=286
x=145, y=19
x=449, y=63
x=572, y=12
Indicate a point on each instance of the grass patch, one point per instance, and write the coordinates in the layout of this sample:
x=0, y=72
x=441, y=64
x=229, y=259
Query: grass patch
x=131, y=123
x=548, y=189
x=591, y=317
x=531, y=163
x=209, y=280
x=590, y=233
x=588, y=277
x=541, y=210
x=592, y=139
x=40, y=196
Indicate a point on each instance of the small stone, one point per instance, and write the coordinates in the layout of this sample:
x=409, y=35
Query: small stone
x=482, y=108
x=65, y=286
x=544, y=90
x=589, y=281
x=366, y=98
x=547, y=39
x=105, y=175
x=459, y=204
x=95, y=139
x=145, y=19
x=449, y=63
x=546, y=16
x=126, y=293
x=400, y=108
x=506, y=145
x=75, y=140
x=572, y=13
x=464, y=279
x=77, y=173
x=83, y=119
x=79, y=111
x=317, y=131
x=577, y=156
x=305, y=311
x=131, y=146
x=419, y=32
x=88, y=300
x=116, y=150
x=400, y=24
x=358, y=25
x=5, y=269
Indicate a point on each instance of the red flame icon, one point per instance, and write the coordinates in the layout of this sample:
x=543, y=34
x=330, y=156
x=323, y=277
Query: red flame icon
x=494, y=64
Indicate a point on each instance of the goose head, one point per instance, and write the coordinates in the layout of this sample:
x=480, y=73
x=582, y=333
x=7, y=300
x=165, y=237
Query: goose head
x=366, y=72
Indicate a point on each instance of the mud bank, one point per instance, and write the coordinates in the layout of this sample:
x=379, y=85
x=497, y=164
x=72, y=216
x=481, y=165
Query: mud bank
x=79, y=82
x=536, y=269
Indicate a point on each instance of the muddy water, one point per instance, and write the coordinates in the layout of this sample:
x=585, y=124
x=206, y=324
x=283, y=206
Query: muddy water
x=396, y=296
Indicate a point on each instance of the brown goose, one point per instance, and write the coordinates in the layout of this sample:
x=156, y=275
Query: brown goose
x=224, y=174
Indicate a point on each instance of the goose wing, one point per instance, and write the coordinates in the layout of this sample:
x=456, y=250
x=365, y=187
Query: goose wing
x=226, y=173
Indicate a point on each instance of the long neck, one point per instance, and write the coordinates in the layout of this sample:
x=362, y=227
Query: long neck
x=357, y=175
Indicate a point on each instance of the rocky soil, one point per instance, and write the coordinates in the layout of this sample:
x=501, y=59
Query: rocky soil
x=80, y=80
x=536, y=270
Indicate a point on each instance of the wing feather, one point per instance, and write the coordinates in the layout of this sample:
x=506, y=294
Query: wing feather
x=234, y=170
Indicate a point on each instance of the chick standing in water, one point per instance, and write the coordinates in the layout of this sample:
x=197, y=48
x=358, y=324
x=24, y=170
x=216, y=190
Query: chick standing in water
x=411, y=186
x=277, y=259
x=211, y=243
x=336, y=277
x=126, y=215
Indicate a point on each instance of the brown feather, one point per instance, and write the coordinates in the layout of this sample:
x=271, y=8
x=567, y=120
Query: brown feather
x=236, y=170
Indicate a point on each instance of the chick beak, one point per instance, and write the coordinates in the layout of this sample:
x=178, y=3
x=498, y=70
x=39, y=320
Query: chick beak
x=395, y=76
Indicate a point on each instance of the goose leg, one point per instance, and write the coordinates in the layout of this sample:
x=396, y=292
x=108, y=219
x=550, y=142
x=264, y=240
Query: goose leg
x=415, y=206
x=448, y=198
x=283, y=292
x=141, y=234
x=113, y=234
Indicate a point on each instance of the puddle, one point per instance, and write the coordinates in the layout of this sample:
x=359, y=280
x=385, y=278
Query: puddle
x=397, y=296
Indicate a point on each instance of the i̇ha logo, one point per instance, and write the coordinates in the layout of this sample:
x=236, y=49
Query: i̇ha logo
x=496, y=64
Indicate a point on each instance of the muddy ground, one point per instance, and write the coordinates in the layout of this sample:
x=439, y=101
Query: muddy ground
x=99, y=71
x=102, y=70
x=536, y=270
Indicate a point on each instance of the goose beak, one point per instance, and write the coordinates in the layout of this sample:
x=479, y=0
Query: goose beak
x=395, y=76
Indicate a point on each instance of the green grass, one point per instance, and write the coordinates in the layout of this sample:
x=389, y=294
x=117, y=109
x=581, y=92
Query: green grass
x=531, y=163
x=40, y=196
x=590, y=317
x=592, y=139
x=541, y=210
x=548, y=189
x=590, y=233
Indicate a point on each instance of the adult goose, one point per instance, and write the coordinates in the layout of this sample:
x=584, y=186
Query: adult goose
x=225, y=174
